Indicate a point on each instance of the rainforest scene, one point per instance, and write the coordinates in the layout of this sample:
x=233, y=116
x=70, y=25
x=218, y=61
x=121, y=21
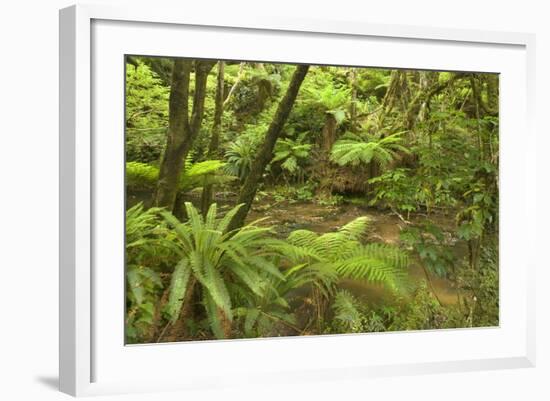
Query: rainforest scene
x=266, y=199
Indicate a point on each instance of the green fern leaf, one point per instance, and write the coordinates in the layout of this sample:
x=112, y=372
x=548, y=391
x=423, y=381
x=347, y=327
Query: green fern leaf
x=178, y=288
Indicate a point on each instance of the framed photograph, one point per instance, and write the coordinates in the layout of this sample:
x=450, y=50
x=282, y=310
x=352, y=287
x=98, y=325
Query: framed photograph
x=278, y=200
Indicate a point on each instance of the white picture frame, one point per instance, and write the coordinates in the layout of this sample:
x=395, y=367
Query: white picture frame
x=93, y=358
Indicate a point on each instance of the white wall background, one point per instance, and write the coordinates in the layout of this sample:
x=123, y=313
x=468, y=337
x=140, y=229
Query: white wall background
x=29, y=200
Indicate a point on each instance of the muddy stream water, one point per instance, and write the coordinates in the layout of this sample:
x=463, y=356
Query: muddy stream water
x=384, y=226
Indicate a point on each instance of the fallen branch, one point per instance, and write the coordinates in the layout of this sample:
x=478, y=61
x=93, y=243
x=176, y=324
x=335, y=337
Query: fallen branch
x=400, y=217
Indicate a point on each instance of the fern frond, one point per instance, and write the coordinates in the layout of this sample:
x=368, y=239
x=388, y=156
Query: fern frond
x=302, y=237
x=178, y=288
x=210, y=219
x=353, y=149
x=224, y=222
x=264, y=265
x=215, y=285
x=355, y=229
x=377, y=263
x=250, y=278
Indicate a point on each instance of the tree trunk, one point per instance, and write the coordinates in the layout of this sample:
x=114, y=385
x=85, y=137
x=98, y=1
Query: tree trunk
x=353, y=105
x=326, y=170
x=328, y=136
x=206, y=198
x=492, y=93
x=240, y=76
x=265, y=153
x=424, y=97
x=182, y=131
x=396, y=90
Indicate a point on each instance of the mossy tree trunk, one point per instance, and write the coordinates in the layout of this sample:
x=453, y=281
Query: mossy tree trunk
x=265, y=153
x=324, y=167
x=213, y=146
x=182, y=129
x=492, y=93
x=328, y=135
x=354, y=124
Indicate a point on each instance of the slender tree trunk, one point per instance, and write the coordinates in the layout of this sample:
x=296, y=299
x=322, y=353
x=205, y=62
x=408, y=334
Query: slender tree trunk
x=423, y=97
x=426, y=80
x=493, y=105
x=353, y=105
x=213, y=146
x=182, y=131
x=478, y=104
x=430, y=284
x=265, y=153
x=492, y=93
x=397, y=89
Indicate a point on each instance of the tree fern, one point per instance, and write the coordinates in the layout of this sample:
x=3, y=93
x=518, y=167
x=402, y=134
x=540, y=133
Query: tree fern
x=203, y=173
x=142, y=176
x=291, y=154
x=333, y=99
x=354, y=149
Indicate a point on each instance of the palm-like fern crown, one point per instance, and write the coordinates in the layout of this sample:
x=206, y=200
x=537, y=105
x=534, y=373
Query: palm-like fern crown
x=290, y=153
x=215, y=258
x=239, y=156
x=330, y=96
x=323, y=259
x=194, y=175
x=355, y=149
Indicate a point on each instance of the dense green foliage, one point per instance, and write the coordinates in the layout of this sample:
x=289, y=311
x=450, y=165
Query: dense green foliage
x=146, y=114
x=374, y=201
x=142, y=176
x=148, y=250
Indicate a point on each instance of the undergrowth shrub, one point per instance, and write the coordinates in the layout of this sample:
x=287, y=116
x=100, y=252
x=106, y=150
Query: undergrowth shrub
x=141, y=176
